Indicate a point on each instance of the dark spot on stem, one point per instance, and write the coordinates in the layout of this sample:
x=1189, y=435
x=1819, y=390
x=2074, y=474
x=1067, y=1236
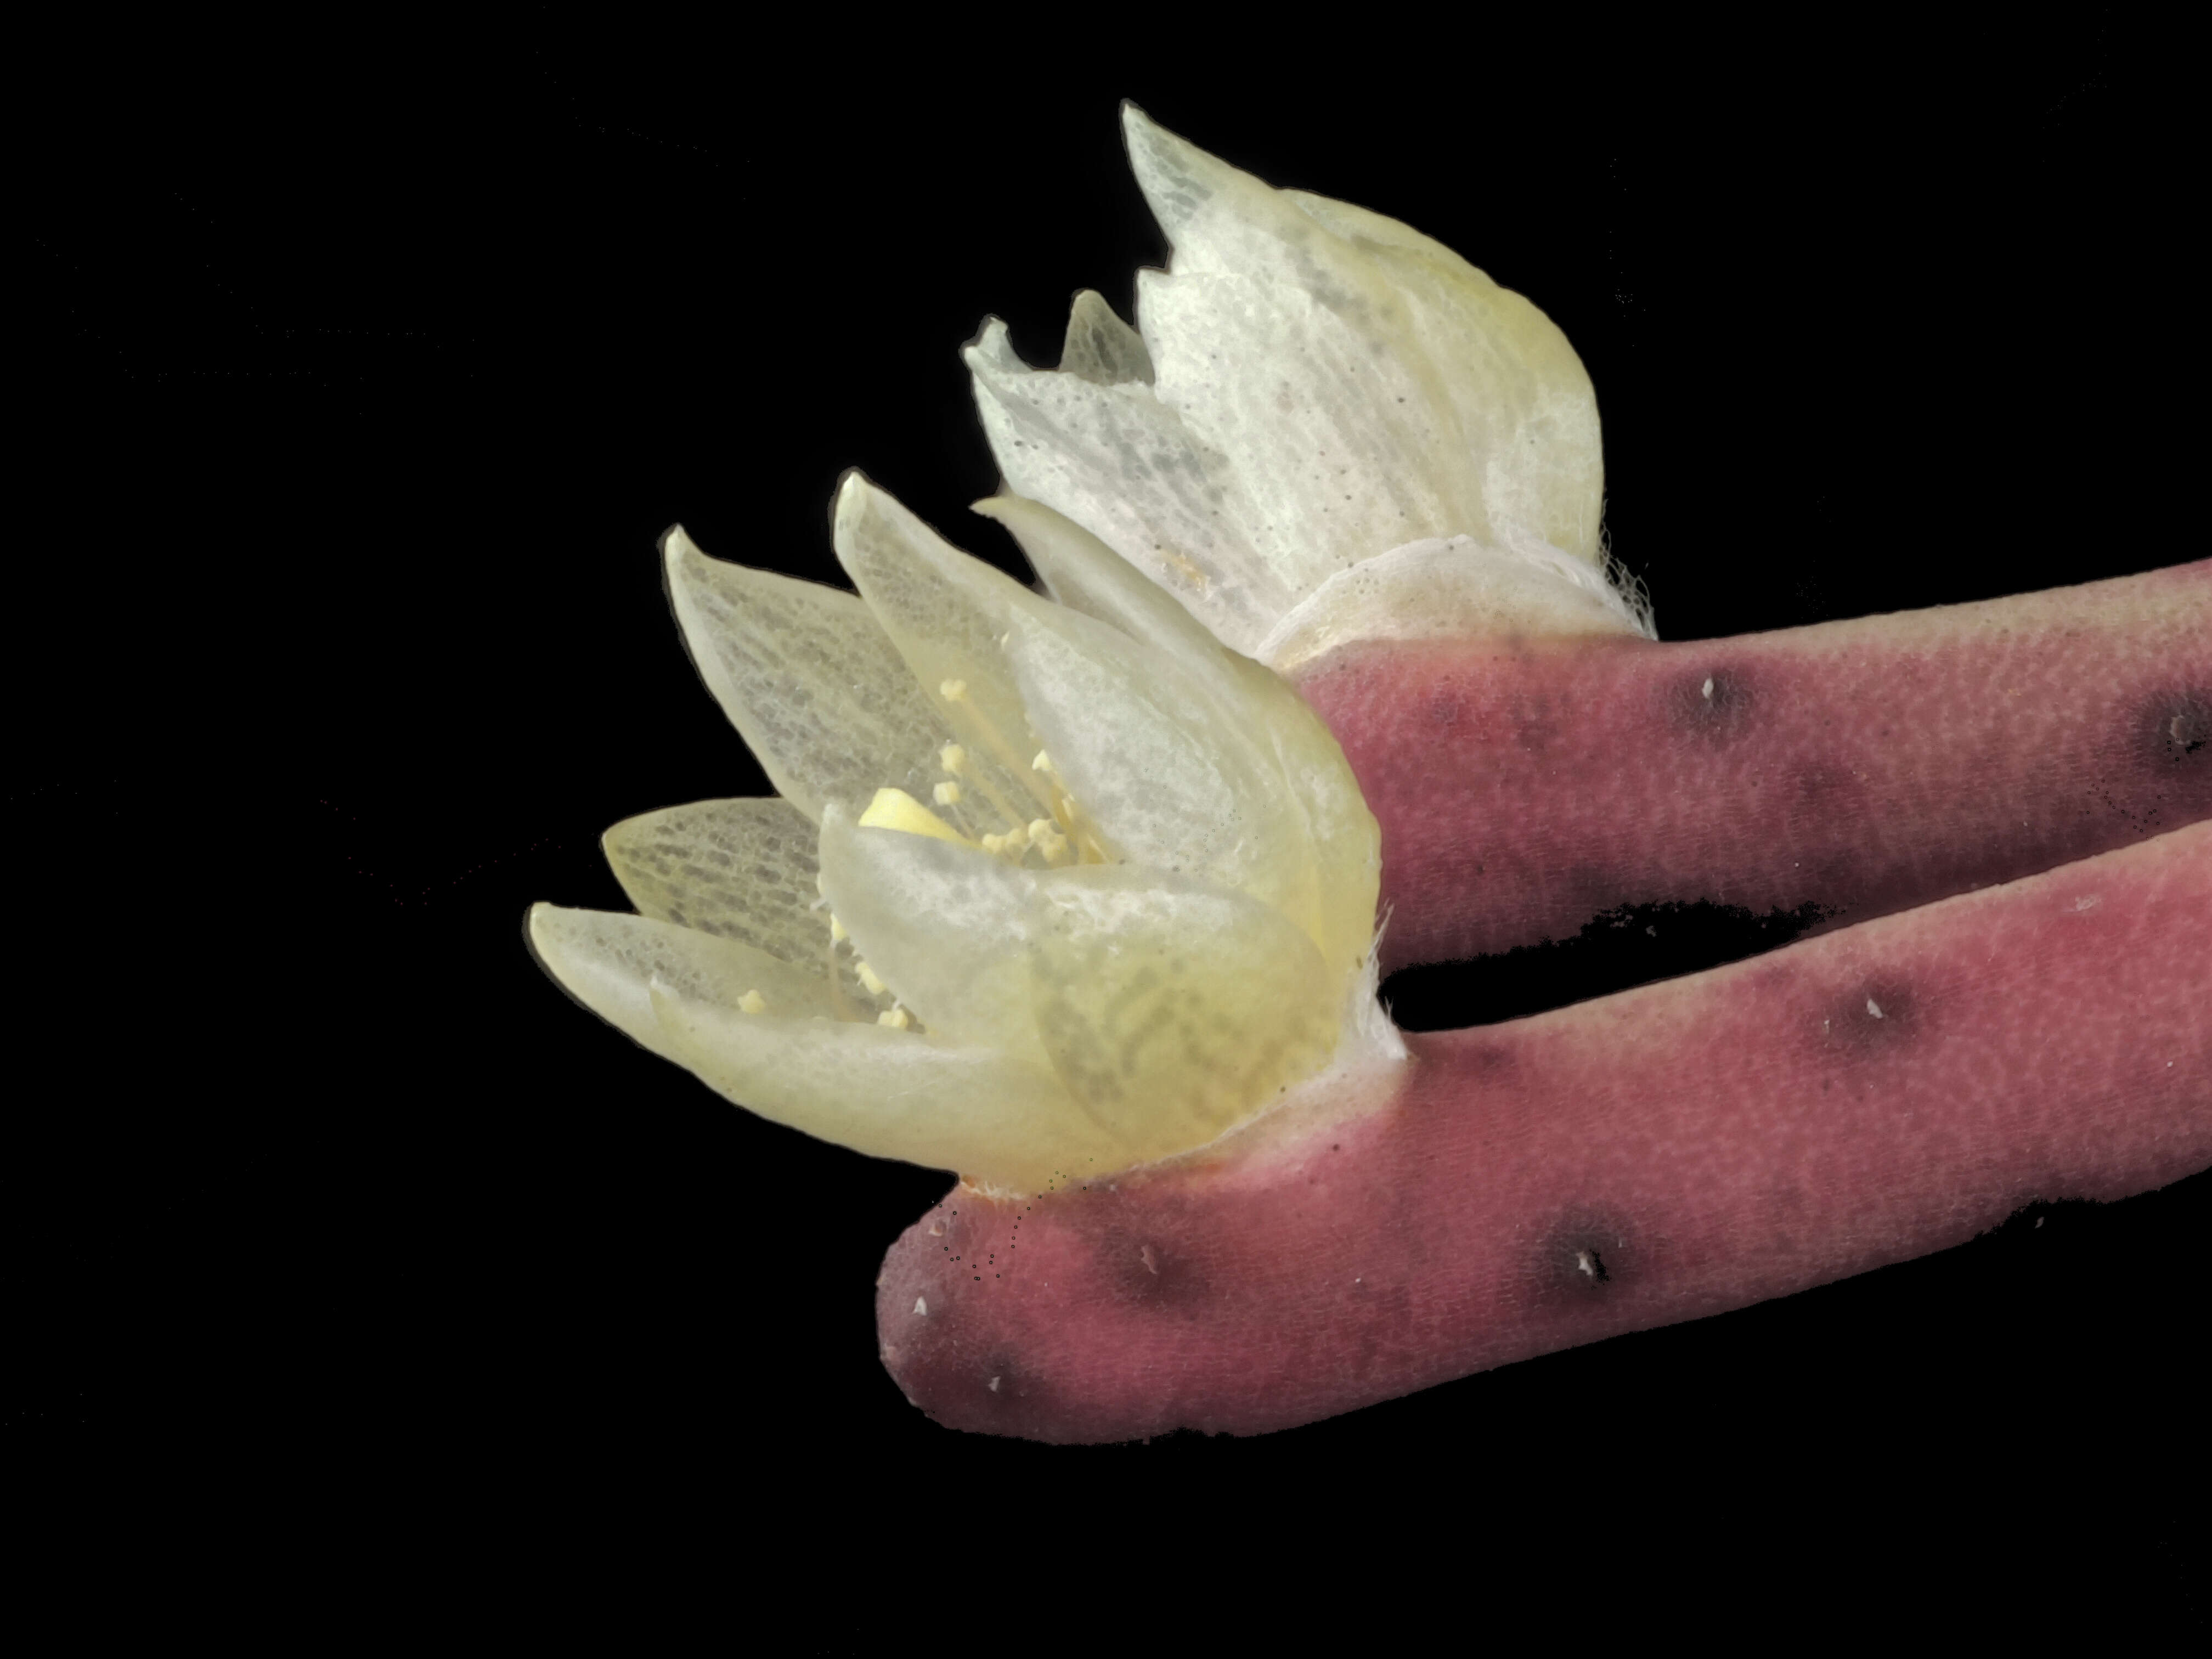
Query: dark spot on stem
x=1584, y=1255
x=1150, y=1271
x=1714, y=703
x=1870, y=1019
x=2180, y=730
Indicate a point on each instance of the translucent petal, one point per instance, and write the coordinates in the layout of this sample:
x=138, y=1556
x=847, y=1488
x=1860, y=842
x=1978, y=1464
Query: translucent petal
x=1168, y=773
x=945, y=925
x=742, y=870
x=946, y=612
x=608, y=962
x=1172, y=1008
x=1100, y=347
x=1523, y=399
x=1118, y=463
x=1346, y=842
x=809, y=678
x=894, y=1094
x=1318, y=788
x=1082, y=573
x=1332, y=430
x=1496, y=369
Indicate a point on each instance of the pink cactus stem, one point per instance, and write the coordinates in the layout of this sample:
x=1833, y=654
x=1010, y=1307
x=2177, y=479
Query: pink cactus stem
x=1887, y=1090
x=1857, y=767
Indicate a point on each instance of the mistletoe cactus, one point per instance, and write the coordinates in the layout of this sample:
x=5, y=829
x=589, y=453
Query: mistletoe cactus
x=1076, y=895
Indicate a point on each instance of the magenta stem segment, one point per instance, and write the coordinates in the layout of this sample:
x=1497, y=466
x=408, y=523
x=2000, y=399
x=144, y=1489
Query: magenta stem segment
x=1882, y=1091
x=1859, y=767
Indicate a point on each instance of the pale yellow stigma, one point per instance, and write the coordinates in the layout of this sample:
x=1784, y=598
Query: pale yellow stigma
x=894, y=809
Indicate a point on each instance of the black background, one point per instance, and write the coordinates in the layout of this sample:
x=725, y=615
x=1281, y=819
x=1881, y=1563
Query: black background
x=364, y=371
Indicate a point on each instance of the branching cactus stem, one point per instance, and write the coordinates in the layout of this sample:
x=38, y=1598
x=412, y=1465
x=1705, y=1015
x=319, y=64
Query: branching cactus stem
x=1885, y=1090
x=1843, y=771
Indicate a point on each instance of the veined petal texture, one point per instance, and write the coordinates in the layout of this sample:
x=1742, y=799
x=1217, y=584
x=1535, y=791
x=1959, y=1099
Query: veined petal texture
x=1086, y=575
x=945, y=614
x=610, y=962
x=808, y=677
x=1339, y=445
x=1159, y=765
x=1127, y=905
x=945, y=925
x=1121, y=463
x=1172, y=1008
x=1325, y=385
x=998, y=1120
x=1516, y=415
x=1102, y=347
x=742, y=870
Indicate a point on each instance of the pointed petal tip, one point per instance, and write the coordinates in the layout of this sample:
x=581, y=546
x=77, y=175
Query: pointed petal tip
x=992, y=347
x=858, y=495
x=680, y=555
x=541, y=933
x=986, y=331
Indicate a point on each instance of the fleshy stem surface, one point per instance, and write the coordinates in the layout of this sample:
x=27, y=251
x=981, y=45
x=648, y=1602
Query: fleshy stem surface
x=1872, y=1095
x=1860, y=768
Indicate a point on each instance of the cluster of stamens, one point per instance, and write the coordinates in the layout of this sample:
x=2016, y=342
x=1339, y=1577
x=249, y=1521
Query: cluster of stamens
x=1058, y=839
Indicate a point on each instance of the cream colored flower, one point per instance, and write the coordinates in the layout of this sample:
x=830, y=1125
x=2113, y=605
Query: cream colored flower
x=1329, y=428
x=1053, y=887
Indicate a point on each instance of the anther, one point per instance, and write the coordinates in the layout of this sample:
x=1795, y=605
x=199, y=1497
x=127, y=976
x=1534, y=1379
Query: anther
x=753, y=1003
x=952, y=757
x=946, y=794
x=1041, y=763
x=952, y=690
x=837, y=934
x=898, y=1018
x=869, y=977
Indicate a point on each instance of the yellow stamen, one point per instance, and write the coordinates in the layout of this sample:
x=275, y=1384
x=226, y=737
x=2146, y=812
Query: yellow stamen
x=753, y=1003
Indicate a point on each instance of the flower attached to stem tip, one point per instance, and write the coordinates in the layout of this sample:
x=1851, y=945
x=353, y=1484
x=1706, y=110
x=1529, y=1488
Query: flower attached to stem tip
x=1053, y=887
x=1327, y=427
